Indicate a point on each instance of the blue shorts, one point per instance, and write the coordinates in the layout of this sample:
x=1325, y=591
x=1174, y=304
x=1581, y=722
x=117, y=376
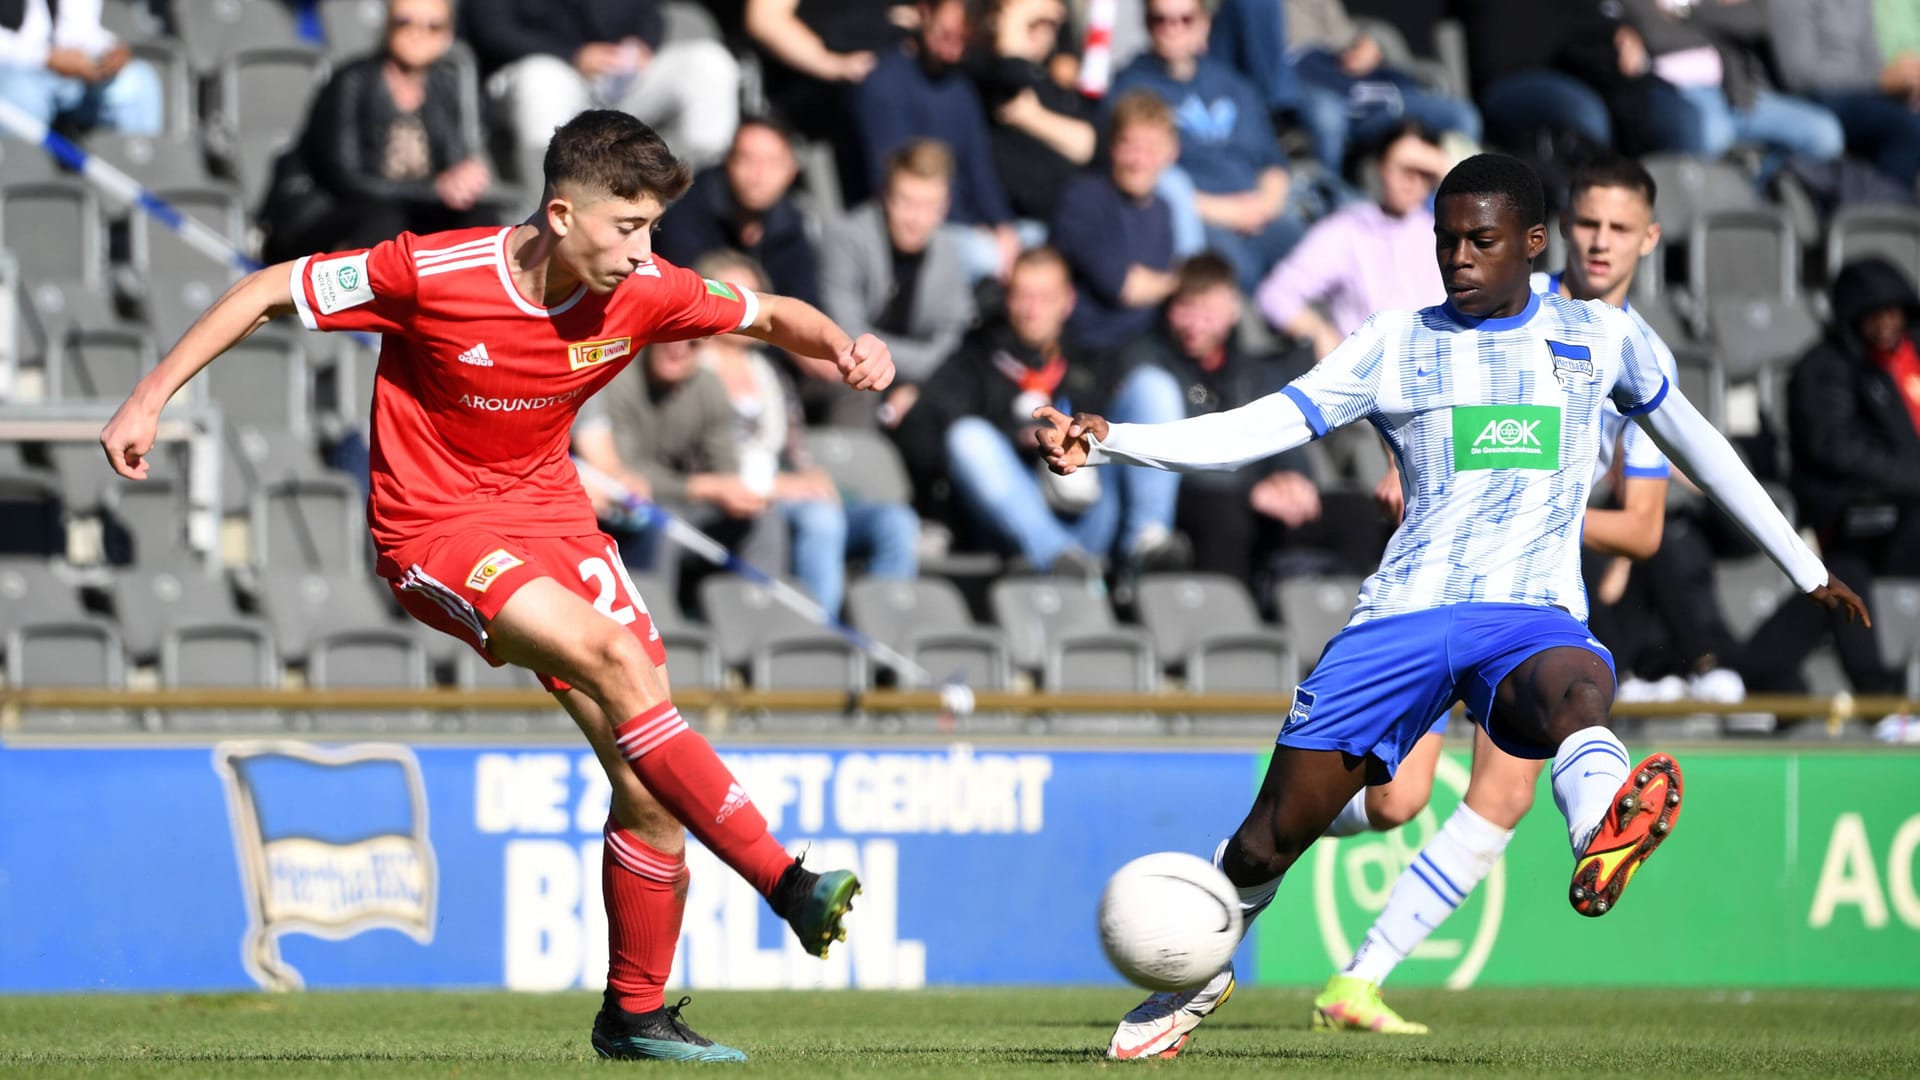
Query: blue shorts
x=1383, y=684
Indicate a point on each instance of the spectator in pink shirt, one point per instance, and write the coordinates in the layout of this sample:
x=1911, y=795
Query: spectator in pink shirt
x=1367, y=257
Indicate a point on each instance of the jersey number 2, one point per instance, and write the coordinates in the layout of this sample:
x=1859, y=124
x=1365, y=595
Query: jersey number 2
x=599, y=572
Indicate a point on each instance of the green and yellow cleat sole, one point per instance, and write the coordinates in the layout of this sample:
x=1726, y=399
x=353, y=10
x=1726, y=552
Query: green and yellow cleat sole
x=634, y=1048
x=823, y=913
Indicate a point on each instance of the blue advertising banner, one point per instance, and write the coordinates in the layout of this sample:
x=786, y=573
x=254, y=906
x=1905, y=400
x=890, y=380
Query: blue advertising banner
x=288, y=864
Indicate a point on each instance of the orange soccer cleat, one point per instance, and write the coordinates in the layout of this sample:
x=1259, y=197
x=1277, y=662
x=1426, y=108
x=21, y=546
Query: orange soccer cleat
x=1643, y=814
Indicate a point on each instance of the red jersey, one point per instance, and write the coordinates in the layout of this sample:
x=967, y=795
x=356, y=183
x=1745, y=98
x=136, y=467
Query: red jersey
x=477, y=387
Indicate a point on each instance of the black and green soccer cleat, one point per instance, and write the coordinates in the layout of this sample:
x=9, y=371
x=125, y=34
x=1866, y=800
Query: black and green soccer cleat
x=814, y=904
x=659, y=1035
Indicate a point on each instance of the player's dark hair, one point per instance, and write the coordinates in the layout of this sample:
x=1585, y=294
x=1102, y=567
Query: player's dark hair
x=1506, y=178
x=1202, y=272
x=1613, y=170
x=607, y=150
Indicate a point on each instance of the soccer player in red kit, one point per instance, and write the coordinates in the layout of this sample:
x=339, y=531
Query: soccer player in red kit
x=492, y=338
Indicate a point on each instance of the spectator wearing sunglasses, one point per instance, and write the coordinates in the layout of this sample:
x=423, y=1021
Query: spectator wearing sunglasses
x=384, y=149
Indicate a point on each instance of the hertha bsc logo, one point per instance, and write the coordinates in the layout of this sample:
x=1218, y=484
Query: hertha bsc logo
x=589, y=353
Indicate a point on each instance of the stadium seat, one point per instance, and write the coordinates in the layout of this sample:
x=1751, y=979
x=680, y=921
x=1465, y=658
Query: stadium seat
x=1035, y=612
x=25, y=163
x=1756, y=341
x=213, y=30
x=893, y=612
x=57, y=232
x=234, y=653
x=816, y=660
x=1896, y=618
x=1691, y=186
x=304, y=604
x=31, y=591
x=179, y=108
x=1742, y=253
x=32, y=516
x=179, y=281
x=353, y=28
x=75, y=653
x=1398, y=53
x=145, y=521
x=863, y=464
x=310, y=524
x=259, y=108
x=101, y=363
x=363, y=659
x=1241, y=664
x=473, y=673
x=693, y=657
x=663, y=607
x=155, y=163
x=1313, y=609
x=745, y=616
x=1892, y=232
x=151, y=599
x=1749, y=590
x=1119, y=660
x=1187, y=612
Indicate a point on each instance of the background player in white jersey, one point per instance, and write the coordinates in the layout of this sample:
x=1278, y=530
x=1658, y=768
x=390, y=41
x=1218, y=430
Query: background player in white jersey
x=1492, y=404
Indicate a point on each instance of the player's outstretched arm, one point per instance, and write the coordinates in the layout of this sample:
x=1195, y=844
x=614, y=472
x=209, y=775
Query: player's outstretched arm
x=261, y=296
x=864, y=362
x=1214, y=442
x=1705, y=455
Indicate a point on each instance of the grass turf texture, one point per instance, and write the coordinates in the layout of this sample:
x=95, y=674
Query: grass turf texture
x=964, y=1033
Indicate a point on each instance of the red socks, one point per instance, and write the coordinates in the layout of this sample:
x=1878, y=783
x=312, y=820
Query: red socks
x=646, y=896
x=682, y=771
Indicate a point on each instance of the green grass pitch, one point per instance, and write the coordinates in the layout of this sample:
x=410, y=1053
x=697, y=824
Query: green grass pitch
x=987, y=1033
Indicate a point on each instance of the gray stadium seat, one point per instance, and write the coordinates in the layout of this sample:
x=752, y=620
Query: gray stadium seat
x=353, y=28
x=213, y=30
x=1035, y=612
x=745, y=616
x=1742, y=253
x=169, y=60
x=25, y=163
x=304, y=604
x=151, y=599
x=261, y=106
x=99, y=362
x=77, y=653
x=155, y=162
x=30, y=591
x=893, y=612
x=1892, y=232
x=816, y=660
x=863, y=464
x=146, y=521
x=181, y=281
x=234, y=653
x=1313, y=609
x=1119, y=660
x=1692, y=186
x=32, y=518
x=310, y=524
x=1185, y=611
x=360, y=659
x=663, y=607
x=1241, y=664
x=1757, y=340
x=1749, y=590
x=693, y=658
x=1896, y=618
x=473, y=673
x=56, y=230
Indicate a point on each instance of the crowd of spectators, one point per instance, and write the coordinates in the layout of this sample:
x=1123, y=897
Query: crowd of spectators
x=1156, y=208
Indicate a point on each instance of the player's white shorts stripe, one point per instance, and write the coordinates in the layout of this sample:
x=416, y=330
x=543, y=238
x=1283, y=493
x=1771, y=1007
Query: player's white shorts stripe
x=464, y=264
x=456, y=606
x=753, y=308
x=423, y=256
x=299, y=285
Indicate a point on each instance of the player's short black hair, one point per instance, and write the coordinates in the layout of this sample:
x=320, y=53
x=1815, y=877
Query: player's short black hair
x=1613, y=170
x=1507, y=178
x=1203, y=272
x=608, y=150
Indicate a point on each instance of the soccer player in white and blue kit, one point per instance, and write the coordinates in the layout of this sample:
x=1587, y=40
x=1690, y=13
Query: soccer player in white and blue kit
x=1492, y=404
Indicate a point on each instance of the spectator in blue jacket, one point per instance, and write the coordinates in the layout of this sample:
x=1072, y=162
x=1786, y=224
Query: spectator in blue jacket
x=920, y=92
x=1227, y=144
x=742, y=204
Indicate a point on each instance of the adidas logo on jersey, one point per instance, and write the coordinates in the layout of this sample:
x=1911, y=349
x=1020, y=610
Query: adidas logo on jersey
x=477, y=356
x=736, y=798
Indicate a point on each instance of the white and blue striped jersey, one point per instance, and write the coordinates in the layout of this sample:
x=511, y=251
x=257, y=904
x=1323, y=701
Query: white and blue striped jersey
x=1642, y=456
x=1496, y=424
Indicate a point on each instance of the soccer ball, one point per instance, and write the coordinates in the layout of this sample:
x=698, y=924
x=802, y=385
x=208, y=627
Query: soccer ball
x=1169, y=921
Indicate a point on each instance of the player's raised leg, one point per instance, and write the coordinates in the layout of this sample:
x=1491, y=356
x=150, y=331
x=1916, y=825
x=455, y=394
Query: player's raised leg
x=643, y=880
x=548, y=628
x=1617, y=813
x=1447, y=869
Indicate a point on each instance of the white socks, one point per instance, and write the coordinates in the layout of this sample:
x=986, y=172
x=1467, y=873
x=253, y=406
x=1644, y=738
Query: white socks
x=1353, y=817
x=1253, y=898
x=1449, y=867
x=1588, y=770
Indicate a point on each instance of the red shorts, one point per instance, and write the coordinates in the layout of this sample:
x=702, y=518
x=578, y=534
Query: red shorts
x=458, y=582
